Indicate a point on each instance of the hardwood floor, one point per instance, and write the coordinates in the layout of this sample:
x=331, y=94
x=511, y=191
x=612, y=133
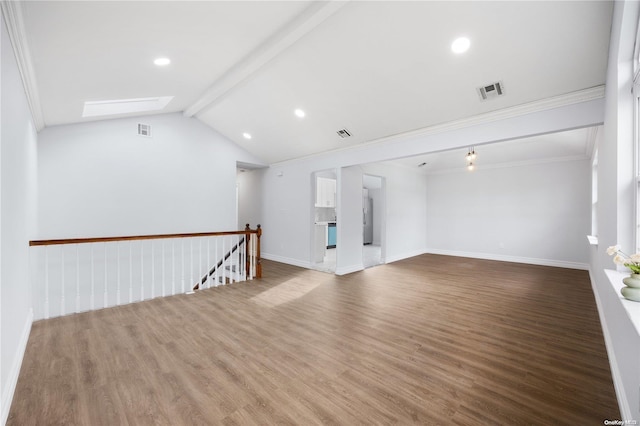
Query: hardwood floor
x=427, y=340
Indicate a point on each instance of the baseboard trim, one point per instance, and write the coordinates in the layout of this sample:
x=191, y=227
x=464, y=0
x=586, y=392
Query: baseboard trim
x=515, y=259
x=287, y=260
x=621, y=395
x=397, y=257
x=12, y=379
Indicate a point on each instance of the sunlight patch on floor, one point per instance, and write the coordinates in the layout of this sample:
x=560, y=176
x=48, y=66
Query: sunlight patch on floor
x=286, y=292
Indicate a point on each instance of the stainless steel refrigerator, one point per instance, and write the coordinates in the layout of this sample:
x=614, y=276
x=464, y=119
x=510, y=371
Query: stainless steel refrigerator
x=367, y=220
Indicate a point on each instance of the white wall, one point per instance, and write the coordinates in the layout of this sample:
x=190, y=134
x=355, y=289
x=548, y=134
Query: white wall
x=349, y=221
x=249, y=198
x=403, y=231
x=536, y=213
x=102, y=179
x=378, y=214
x=615, y=208
x=17, y=220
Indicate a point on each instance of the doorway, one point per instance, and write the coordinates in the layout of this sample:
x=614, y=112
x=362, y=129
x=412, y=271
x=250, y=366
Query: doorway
x=324, y=221
x=373, y=219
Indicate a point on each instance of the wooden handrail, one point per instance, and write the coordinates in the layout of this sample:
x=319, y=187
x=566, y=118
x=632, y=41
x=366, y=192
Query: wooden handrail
x=246, y=231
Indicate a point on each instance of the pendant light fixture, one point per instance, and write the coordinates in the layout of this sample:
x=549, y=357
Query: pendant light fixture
x=471, y=158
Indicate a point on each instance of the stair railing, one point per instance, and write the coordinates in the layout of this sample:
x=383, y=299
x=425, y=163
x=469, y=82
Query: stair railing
x=83, y=274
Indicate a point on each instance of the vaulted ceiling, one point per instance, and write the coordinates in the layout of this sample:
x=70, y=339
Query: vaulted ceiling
x=378, y=68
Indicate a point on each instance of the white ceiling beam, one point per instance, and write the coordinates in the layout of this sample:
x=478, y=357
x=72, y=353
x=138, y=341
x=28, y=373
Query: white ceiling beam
x=12, y=11
x=297, y=28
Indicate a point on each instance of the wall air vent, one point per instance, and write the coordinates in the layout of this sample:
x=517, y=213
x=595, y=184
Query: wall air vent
x=344, y=133
x=144, y=130
x=491, y=91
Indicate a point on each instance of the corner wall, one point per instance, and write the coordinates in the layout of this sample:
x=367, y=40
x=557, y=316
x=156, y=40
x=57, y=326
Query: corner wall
x=17, y=219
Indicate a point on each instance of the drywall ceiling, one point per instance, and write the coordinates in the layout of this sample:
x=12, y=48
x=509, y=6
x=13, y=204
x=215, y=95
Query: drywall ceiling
x=378, y=68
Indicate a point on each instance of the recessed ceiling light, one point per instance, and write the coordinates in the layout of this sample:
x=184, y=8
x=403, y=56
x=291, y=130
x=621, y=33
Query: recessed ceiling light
x=460, y=45
x=161, y=62
x=299, y=113
x=246, y=135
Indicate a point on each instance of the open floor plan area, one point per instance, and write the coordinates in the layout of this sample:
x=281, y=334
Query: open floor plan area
x=429, y=340
x=332, y=212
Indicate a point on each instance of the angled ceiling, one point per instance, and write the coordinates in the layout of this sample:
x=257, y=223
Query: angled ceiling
x=377, y=68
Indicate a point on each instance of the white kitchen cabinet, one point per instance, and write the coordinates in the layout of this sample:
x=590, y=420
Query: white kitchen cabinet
x=325, y=192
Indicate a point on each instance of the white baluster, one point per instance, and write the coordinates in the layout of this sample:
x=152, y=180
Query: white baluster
x=77, y=278
x=93, y=281
x=249, y=244
x=230, y=266
x=243, y=259
x=141, y=270
x=190, y=290
x=130, y=271
x=216, y=276
x=153, y=272
x=118, y=272
x=46, y=282
x=183, y=270
x=237, y=260
x=252, y=253
x=207, y=262
x=62, y=302
x=231, y=260
x=224, y=262
x=163, y=270
x=240, y=257
x=200, y=284
x=173, y=267
x=106, y=281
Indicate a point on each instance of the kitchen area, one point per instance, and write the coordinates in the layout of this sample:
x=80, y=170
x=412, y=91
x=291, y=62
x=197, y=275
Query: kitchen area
x=325, y=221
x=325, y=238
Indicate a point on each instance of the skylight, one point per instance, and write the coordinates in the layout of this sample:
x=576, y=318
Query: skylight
x=124, y=106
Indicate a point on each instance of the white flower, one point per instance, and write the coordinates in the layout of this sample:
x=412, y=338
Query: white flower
x=613, y=250
x=618, y=260
x=635, y=258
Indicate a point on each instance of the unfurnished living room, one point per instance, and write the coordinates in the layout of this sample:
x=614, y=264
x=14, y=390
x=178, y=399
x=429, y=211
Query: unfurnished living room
x=319, y=212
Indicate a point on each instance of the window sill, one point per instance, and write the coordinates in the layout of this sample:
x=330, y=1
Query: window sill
x=632, y=308
x=593, y=240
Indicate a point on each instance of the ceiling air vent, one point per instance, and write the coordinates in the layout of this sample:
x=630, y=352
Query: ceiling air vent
x=144, y=130
x=491, y=91
x=344, y=133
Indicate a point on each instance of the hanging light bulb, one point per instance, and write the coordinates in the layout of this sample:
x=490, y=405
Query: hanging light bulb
x=468, y=156
x=473, y=154
x=470, y=167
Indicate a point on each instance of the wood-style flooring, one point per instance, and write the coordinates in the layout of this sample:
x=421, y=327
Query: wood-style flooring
x=428, y=340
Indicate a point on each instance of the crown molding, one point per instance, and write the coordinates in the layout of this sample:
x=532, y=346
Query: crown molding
x=281, y=40
x=585, y=95
x=12, y=12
